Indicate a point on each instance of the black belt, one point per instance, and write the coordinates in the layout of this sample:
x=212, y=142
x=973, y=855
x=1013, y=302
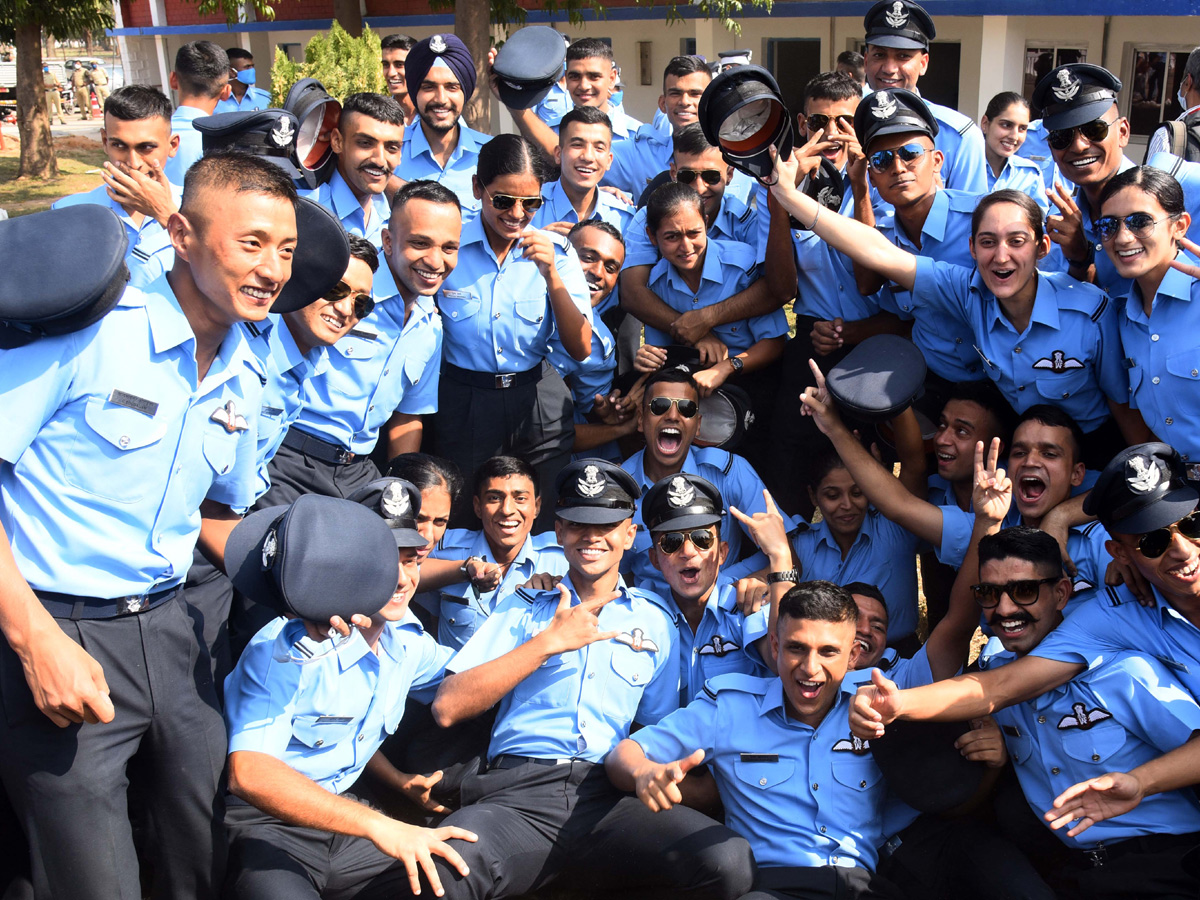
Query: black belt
x=69, y=606
x=318, y=448
x=492, y=380
x=505, y=761
x=1102, y=853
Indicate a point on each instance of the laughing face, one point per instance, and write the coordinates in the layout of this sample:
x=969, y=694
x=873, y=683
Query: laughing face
x=323, y=324
x=584, y=154
x=1021, y=628
x=1006, y=252
x=842, y=503
x=368, y=151
x=507, y=224
x=1005, y=134
x=439, y=100
x=406, y=586
x=894, y=67
x=1043, y=467
x=680, y=100
x=1133, y=256
x=591, y=81
x=601, y=255
x=709, y=160
x=838, y=154
x=812, y=657
x=870, y=634
x=421, y=246
x=961, y=424
x=393, y=72
x=593, y=552
x=507, y=507
x=690, y=571
x=669, y=436
x=1176, y=573
x=1091, y=163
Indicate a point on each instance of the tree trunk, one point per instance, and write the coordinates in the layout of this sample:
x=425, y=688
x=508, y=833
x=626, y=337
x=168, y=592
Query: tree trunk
x=349, y=15
x=33, y=121
x=87, y=42
x=471, y=21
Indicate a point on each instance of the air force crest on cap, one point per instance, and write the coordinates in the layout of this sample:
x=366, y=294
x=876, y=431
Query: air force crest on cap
x=270, y=548
x=229, y=417
x=437, y=44
x=885, y=106
x=1143, y=474
x=591, y=483
x=897, y=16
x=1068, y=86
x=680, y=492
x=828, y=198
x=394, y=501
x=283, y=132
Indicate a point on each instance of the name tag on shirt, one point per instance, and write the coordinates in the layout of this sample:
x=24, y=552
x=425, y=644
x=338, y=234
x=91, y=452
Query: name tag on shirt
x=759, y=757
x=334, y=720
x=363, y=335
x=457, y=295
x=131, y=401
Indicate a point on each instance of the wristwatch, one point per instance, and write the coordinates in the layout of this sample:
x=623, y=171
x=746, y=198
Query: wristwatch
x=736, y=363
x=786, y=575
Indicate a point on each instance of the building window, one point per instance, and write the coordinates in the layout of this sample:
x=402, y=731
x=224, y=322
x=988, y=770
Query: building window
x=1153, y=84
x=1041, y=60
x=793, y=62
x=294, y=52
x=687, y=46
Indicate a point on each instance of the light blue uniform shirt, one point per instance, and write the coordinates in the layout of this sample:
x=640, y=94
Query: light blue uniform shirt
x=191, y=147
x=729, y=268
x=946, y=342
x=961, y=142
x=589, y=377
x=579, y=704
x=907, y=672
x=801, y=796
x=254, y=98
x=496, y=313
x=735, y=221
x=287, y=370
x=623, y=129
x=417, y=161
x=110, y=445
x=555, y=105
x=1036, y=150
x=150, y=252
x=337, y=197
x=1106, y=273
x=384, y=365
x=1122, y=712
x=730, y=474
x=1020, y=174
x=643, y=157
x=1163, y=359
x=462, y=609
x=1068, y=355
x=327, y=717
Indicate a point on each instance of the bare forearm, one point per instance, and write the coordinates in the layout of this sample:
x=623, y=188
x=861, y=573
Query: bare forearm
x=440, y=573
x=534, y=130
x=22, y=616
x=755, y=300
x=465, y=695
x=780, y=269
x=622, y=764
x=403, y=434
x=950, y=643
x=217, y=521
x=642, y=303
x=1176, y=769
x=574, y=330
x=982, y=693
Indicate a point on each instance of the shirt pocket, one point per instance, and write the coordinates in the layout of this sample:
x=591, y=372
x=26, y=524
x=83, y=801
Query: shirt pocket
x=763, y=775
x=461, y=620
x=629, y=673
x=220, y=450
x=860, y=774
x=1185, y=364
x=553, y=684
x=351, y=347
x=531, y=309
x=458, y=306
x=1094, y=745
x=114, y=457
x=1059, y=387
x=323, y=732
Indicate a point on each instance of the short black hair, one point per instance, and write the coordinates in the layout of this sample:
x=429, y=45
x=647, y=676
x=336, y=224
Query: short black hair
x=986, y=394
x=599, y=224
x=1055, y=417
x=831, y=86
x=373, y=106
x=821, y=464
x=509, y=154
x=238, y=53
x=584, y=115
x=690, y=140
x=397, y=42
x=855, y=60
x=430, y=191
x=423, y=471
x=822, y=601
x=864, y=589
x=667, y=198
x=1023, y=542
x=672, y=375
x=504, y=467
x=135, y=102
x=202, y=68
x=361, y=248
x=237, y=172
x=682, y=66
x=589, y=48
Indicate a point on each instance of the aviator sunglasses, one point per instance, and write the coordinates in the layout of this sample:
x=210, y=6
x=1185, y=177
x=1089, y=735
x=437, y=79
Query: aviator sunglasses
x=710, y=176
x=671, y=542
x=1094, y=131
x=505, y=202
x=660, y=406
x=1023, y=591
x=1140, y=225
x=1154, y=544
x=881, y=160
x=817, y=122
x=363, y=303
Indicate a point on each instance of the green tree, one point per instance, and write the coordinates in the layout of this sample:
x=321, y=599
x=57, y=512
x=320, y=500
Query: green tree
x=21, y=23
x=343, y=64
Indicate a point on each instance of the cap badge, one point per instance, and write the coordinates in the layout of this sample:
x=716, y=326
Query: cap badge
x=437, y=44
x=897, y=16
x=270, y=548
x=1068, y=86
x=591, y=484
x=394, y=501
x=680, y=492
x=282, y=133
x=1142, y=474
x=827, y=198
x=229, y=417
x=885, y=106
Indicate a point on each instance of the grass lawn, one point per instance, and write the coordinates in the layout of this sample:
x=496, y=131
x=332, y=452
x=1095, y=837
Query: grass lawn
x=79, y=160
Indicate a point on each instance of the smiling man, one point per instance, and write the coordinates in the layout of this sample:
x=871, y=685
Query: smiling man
x=393, y=51
x=584, y=155
x=153, y=411
x=794, y=782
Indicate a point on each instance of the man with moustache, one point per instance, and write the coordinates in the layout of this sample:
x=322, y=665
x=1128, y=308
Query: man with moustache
x=393, y=51
x=383, y=375
x=439, y=146
x=125, y=444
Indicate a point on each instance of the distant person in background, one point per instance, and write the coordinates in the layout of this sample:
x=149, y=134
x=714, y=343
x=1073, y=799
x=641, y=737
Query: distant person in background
x=1188, y=98
x=393, y=52
x=851, y=62
x=83, y=97
x=98, y=80
x=53, y=95
x=201, y=79
x=245, y=96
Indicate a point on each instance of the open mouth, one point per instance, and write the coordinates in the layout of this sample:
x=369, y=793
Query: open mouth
x=508, y=526
x=945, y=459
x=374, y=172
x=595, y=285
x=1014, y=626
x=1187, y=571
x=864, y=645
x=669, y=441
x=1002, y=276
x=1083, y=162
x=257, y=294
x=1030, y=489
x=1131, y=253
x=586, y=172
x=810, y=690
x=690, y=575
x=334, y=321
x=429, y=278
x=591, y=554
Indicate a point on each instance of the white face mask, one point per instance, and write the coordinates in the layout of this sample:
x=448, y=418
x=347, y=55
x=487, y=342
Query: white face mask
x=1179, y=95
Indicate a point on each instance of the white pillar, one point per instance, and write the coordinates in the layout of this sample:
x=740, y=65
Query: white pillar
x=1001, y=61
x=158, y=18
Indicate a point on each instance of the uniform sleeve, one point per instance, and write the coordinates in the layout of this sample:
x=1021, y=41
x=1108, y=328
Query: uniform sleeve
x=431, y=665
x=942, y=287
x=421, y=394
x=969, y=173
x=774, y=324
x=682, y=732
x=35, y=382
x=638, y=249
x=1090, y=635
x=505, y=629
x=1154, y=705
x=237, y=487
x=1110, y=364
x=260, y=698
x=661, y=695
x=956, y=535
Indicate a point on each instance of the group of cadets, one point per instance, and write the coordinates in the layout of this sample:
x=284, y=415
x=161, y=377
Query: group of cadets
x=612, y=656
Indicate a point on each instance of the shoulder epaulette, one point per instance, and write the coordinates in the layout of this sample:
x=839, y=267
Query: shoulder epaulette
x=528, y=594
x=1100, y=309
x=714, y=457
x=966, y=127
x=1114, y=597
x=254, y=330
x=1089, y=527
x=737, y=681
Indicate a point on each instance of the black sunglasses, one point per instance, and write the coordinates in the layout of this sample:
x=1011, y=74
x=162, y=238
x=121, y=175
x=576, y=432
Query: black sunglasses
x=1154, y=544
x=660, y=406
x=363, y=303
x=505, y=202
x=1094, y=131
x=710, y=176
x=1140, y=225
x=817, y=122
x=1023, y=591
x=881, y=160
x=671, y=542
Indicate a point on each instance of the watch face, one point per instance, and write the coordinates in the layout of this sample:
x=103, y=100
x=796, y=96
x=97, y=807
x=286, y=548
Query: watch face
x=736, y=362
